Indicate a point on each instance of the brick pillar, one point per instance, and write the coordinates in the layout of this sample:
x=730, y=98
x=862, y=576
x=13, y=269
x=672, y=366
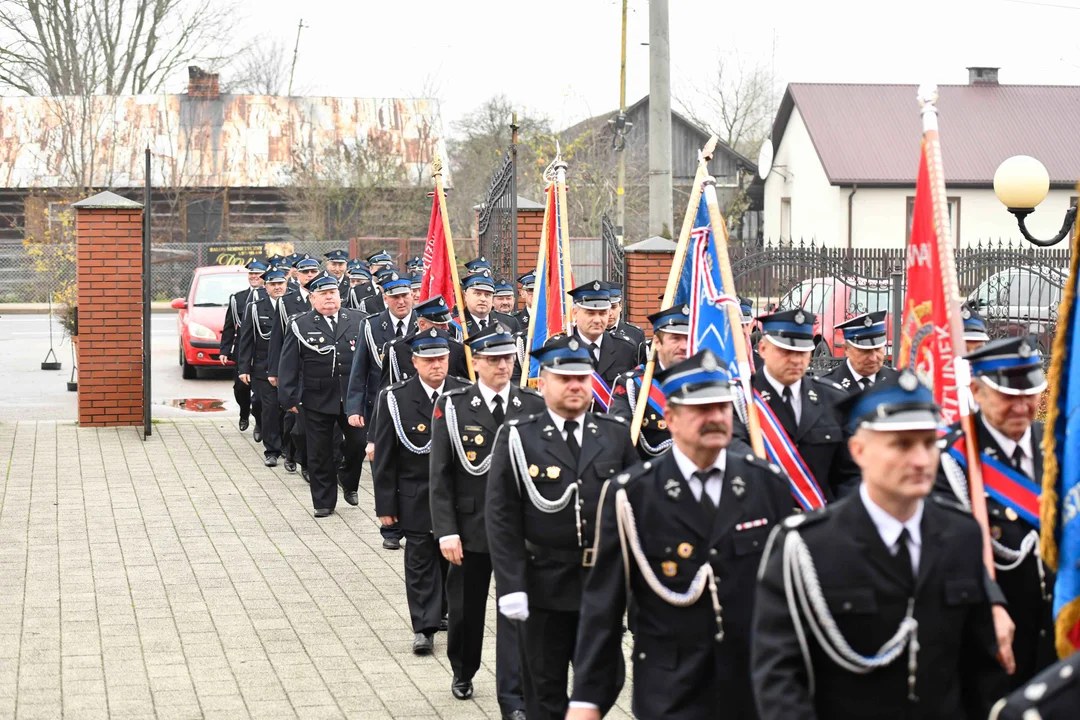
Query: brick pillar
x=530, y=222
x=647, y=266
x=109, y=241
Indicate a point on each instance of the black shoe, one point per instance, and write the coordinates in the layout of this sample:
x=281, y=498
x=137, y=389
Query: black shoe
x=256, y=434
x=422, y=644
x=462, y=689
x=270, y=459
x=290, y=466
x=243, y=424
x=444, y=624
x=323, y=512
x=304, y=474
x=514, y=715
x=391, y=544
x=350, y=497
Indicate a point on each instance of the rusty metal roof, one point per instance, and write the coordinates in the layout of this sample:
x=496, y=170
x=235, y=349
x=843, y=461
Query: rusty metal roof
x=228, y=141
x=870, y=134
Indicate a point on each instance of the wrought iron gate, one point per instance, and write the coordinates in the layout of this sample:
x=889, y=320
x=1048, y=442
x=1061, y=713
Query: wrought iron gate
x=497, y=223
x=614, y=256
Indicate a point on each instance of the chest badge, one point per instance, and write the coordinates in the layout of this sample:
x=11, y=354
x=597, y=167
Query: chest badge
x=1011, y=514
x=738, y=486
x=685, y=550
x=846, y=382
x=672, y=488
x=533, y=471
x=554, y=471
x=670, y=568
x=661, y=424
x=322, y=339
x=471, y=455
x=475, y=402
x=421, y=427
x=812, y=395
x=479, y=439
x=516, y=401
x=995, y=532
x=766, y=395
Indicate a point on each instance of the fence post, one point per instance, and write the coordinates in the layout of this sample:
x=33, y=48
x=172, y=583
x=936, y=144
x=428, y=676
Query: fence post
x=896, y=280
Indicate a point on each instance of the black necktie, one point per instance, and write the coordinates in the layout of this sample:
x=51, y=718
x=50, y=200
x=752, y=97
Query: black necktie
x=482, y=323
x=330, y=322
x=498, y=413
x=571, y=441
x=787, y=396
x=434, y=397
x=865, y=383
x=1018, y=458
x=397, y=331
x=595, y=350
x=707, y=505
x=903, y=558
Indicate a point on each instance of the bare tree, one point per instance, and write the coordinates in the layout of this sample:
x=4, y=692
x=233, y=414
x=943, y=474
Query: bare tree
x=261, y=69
x=109, y=47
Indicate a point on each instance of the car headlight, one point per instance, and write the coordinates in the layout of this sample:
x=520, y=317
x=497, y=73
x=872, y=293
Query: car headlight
x=200, y=331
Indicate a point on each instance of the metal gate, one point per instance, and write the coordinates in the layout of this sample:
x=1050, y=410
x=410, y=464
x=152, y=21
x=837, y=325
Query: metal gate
x=497, y=223
x=614, y=257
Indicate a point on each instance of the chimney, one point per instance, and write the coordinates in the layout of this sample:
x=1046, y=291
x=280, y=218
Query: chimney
x=202, y=84
x=982, y=76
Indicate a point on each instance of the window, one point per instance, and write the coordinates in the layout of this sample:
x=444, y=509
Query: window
x=61, y=222
x=203, y=218
x=785, y=219
x=954, y=218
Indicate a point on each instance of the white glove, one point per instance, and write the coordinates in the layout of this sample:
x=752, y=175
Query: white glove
x=515, y=606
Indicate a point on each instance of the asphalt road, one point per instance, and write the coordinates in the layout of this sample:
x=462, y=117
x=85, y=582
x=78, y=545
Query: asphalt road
x=31, y=393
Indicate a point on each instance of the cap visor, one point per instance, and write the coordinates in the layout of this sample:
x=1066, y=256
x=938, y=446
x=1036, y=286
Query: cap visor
x=431, y=352
x=569, y=369
x=976, y=336
x=674, y=329
x=497, y=350
x=1030, y=382
x=704, y=396
x=789, y=343
x=868, y=343
x=397, y=291
x=594, y=304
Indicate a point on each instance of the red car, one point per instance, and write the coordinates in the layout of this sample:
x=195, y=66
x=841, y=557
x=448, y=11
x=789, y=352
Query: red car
x=835, y=301
x=202, y=315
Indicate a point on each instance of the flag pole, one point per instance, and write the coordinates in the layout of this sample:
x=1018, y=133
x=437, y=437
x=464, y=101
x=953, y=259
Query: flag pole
x=927, y=95
x=720, y=236
x=440, y=194
x=673, y=278
x=540, y=257
x=564, y=239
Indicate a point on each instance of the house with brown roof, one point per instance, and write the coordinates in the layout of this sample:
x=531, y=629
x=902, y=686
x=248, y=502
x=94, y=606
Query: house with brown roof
x=846, y=157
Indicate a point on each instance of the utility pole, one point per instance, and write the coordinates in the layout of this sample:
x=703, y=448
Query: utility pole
x=620, y=141
x=295, y=52
x=660, y=191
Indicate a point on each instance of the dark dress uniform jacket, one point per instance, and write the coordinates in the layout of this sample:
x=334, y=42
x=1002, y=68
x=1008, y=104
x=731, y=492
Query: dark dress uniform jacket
x=958, y=676
x=401, y=475
x=1033, y=642
x=655, y=437
x=399, y=356
x=841, y=375
x=617, y=355
x=1058, y=700
x=253, y=356
x=680, y=670
x=375, y=333
x=317, y=381
x=457, y=496
x=290, y=305
x=523, y=316
x=524, y=540
x=234, y=314
x=629, y=331
x=509, y=321
x=820, y=437
x=356, y=294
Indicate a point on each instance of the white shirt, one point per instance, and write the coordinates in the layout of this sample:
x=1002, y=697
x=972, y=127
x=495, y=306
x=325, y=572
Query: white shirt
x=1008, y=446
x=482, y=322
x=889, y=528
x=857, y=376
x=428, y=389
x=303, y=293
x=796, y=394
x=598, y=341
x=688, y=467
x=560, y=423
x=332, y=318
x=403, y=323
x=489, y=395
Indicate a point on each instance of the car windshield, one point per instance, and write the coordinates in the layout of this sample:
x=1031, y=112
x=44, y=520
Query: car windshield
x=867, y=300
x=214, y=290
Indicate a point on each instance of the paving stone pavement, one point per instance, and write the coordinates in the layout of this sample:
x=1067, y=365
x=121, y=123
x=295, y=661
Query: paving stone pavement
x=179, y=578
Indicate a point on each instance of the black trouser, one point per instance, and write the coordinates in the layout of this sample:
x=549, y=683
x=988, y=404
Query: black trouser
x=270, y=425
x=467, y=591
x=288, y=440
x=299, y=436
x=320, y=451
x=547, y=651
x=425, y=576
x=242, y=394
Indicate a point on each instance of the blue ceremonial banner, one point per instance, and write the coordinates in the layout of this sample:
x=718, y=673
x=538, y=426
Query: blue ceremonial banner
x=1060, y=503
x=550, y=307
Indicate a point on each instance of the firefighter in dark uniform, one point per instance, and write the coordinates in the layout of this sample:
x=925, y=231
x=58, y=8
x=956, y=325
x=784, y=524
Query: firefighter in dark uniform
x=379, y=261
x=466, y=424
x=503, y=300
x=544, y=486
x=479, y=292
x=1053, y=694
x=701, y=516
x=416, y=284
x=314, y=372
x=295, y=302
x=415, y=265
x=234, y=315
x=337, y=262
x=613, y=353
x=527, y=282
x=431, y=313
x=616, y=323
x=376, y=332
x=876, y=606
x=1007, y=383
x=671, y=328
x=746, y=319
x=400, y=473
x=805, y=407
x=477, y=264
x=253, y=358
x=975, y=335
x=865, y=337
x=361, y=285
x=375, y=303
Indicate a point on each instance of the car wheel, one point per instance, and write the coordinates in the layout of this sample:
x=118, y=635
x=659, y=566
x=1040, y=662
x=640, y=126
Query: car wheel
x=821, y=349
x=187, y=371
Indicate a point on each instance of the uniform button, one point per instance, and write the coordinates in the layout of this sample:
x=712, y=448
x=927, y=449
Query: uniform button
x=667, y=551
x=712, y=552
x=1042, y=633
x=828, y=437
x=964, y=595
x=755, y=543
x=641, y=656
x=846, y=606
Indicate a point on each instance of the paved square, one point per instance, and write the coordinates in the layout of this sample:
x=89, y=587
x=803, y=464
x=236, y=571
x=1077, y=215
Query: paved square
x=179, y=578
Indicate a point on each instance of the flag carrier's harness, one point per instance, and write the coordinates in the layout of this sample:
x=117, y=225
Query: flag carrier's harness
x=1010, y=559
x=803, y=592
x=631, y=395
x=395, y=415
x=459, y=450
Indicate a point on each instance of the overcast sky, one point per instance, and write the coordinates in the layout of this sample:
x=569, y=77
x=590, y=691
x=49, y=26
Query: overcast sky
x=562, y=56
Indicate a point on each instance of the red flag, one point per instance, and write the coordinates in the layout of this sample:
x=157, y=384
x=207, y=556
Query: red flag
x=926, y=344
x=438, y=276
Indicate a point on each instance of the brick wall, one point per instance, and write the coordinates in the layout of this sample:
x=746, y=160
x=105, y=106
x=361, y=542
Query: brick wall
x=530, y=226
x=109, y=242
x=647, y=266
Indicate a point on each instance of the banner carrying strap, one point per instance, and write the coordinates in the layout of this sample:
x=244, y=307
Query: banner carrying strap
x=783, y=452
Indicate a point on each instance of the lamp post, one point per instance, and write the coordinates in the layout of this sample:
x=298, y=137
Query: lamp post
x=1021, y=183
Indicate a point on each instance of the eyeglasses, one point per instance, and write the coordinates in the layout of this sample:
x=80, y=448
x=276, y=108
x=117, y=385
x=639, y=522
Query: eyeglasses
x=498, y=359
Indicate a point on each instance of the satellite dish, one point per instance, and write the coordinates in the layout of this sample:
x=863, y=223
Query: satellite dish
x=765, y=159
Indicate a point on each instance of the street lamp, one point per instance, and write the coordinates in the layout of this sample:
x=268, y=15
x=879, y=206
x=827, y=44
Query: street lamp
x=1021, y=183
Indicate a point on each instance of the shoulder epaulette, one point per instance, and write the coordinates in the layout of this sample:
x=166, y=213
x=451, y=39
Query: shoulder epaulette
x=458, y=390
x=801, y=520
x=527, y=419
x=949, y=438
x=949, y=504
x=399, y=385
x=762, y=463
x=628, y=476
x=530, y=391
x=828, y=383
